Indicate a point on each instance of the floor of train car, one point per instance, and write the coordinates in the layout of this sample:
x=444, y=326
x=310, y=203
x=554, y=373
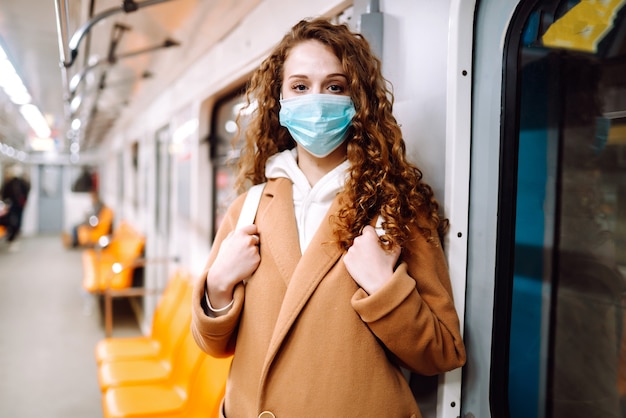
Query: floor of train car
x=48, y=332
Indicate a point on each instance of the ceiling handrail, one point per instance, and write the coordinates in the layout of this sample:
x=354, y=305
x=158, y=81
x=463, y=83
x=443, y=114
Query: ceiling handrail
x=69, y=51
x=74, y=43
x=111, y=60
x=62, y=14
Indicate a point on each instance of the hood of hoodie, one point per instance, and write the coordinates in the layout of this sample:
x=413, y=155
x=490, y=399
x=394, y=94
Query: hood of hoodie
x=311, y=204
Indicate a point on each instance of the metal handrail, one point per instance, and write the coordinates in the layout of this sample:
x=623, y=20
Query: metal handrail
x=77, y=37
x=80, y=76
x=68, y=51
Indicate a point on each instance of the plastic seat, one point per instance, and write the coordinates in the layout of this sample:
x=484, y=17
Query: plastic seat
x=124, y=372
x=89, y=235
x=208, y=390
x=114, y=349
x=176, y=396
x=125, y=247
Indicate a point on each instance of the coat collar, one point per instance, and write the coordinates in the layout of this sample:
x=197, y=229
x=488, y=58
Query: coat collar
x=277, y=219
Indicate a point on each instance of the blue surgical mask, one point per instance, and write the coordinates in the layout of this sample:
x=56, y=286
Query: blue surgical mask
x=318, y=122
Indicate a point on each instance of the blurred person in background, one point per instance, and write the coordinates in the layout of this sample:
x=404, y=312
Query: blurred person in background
x=14, y=194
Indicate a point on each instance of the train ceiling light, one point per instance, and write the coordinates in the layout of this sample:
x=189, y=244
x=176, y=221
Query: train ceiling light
x=13, y=86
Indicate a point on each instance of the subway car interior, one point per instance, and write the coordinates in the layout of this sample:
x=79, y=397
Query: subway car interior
x=118, y=118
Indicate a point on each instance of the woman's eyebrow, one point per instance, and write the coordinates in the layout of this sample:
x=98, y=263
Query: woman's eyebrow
x=336, y=75
x=333, y=75
x=297, y=76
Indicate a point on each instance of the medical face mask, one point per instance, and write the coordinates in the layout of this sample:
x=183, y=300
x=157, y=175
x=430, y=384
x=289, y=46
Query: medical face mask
x=318, y=122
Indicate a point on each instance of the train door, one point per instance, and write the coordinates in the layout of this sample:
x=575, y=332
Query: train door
x=50, y=198
x=558, y=339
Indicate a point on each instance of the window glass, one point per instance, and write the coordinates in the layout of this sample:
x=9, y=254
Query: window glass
x=163, y=180
x=224, y=153
x=567, y=346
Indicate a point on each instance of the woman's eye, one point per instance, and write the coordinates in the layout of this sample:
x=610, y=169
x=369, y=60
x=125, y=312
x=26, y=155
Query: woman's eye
x=336, y=88
x=299, y=87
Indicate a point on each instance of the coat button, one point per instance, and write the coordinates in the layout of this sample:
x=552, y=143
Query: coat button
x=266, y=414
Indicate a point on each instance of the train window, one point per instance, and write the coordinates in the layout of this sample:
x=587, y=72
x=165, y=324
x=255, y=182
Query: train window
x=121, y=179
x=223, y=153
x=559, y=333
x=134, y=155
x=163, y=187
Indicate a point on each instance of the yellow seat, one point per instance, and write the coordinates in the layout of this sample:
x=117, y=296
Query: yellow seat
x=88, y=235
x=176, y=396
x=125, y=348
x=112, y=267
x=125, y=372
x=208, y=390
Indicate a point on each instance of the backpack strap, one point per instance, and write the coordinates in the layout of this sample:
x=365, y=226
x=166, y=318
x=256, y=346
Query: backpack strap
x=250, y=205
x=379, y=226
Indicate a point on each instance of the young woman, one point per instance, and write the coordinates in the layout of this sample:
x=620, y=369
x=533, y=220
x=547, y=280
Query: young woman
x=319, y=310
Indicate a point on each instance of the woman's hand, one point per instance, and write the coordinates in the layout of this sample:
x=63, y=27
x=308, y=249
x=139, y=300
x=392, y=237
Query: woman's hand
x=370, y=265
x=237, y=258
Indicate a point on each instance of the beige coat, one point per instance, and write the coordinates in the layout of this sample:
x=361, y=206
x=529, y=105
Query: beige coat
x=308, y=342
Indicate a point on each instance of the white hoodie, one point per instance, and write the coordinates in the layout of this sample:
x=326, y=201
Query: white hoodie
x=310, y=204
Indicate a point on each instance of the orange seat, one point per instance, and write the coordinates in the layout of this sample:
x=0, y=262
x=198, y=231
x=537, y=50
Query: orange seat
x=176, y=396
x=125, y=372
x=112, y=349
x=208, y=390
x=112, y=267
x=88, y=235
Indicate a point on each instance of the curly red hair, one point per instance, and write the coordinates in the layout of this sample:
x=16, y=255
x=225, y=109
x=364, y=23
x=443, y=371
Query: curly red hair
x=381, y=181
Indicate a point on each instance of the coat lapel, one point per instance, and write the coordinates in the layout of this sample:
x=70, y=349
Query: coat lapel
x=280, y=234
x=321, y=255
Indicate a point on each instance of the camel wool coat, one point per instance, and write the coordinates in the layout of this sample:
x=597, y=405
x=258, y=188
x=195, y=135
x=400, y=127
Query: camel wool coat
x=309, y=342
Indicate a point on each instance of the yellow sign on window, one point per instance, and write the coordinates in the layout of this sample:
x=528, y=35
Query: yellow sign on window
x=583, y=26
